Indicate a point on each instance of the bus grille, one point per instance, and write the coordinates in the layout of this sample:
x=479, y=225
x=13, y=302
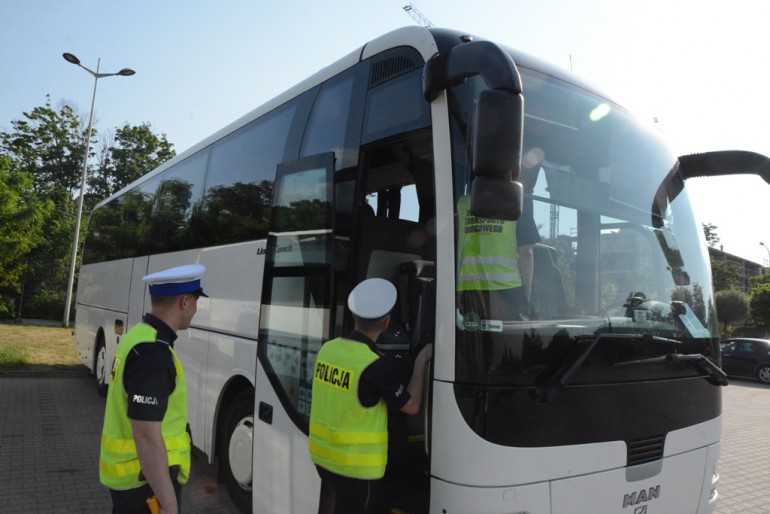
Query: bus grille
x=392, y=64
x=645, y=450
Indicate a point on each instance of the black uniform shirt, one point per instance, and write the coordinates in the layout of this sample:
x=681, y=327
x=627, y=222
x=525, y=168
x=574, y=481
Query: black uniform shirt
x=149, y=375
x=379, y=380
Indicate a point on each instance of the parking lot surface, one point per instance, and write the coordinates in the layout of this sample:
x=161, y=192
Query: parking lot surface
x=50, y=427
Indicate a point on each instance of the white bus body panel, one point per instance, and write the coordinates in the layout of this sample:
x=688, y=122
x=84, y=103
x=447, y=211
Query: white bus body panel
x=137, y=302
x=221, y=343
x=228, y=357
x=285, y=479
x=106, y=285
x=675, y=489
x=102, y=299
x=417, y=37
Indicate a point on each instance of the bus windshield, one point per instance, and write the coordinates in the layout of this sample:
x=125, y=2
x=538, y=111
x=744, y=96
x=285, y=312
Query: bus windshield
x=607, y=245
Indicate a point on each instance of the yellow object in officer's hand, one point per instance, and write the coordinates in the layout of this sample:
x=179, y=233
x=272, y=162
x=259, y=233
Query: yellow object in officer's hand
x=154, y=505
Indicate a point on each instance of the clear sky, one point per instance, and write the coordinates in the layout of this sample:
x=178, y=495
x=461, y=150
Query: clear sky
x=699, y=66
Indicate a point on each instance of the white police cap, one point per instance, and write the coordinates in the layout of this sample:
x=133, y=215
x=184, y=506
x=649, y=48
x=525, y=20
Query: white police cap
x=372, y=299
x=174, y=281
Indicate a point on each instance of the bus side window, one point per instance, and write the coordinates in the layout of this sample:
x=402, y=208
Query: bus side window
x=180, y=190
x=239, y=181
x=335, y=121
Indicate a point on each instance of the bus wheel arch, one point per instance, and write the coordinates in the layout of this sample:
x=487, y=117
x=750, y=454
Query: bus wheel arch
x=234, y=442
x=100, y=368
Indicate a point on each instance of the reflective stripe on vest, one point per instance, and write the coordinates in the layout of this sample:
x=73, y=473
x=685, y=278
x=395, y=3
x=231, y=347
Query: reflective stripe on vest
x=345, y=437
x=119, y=466
x=487, y=252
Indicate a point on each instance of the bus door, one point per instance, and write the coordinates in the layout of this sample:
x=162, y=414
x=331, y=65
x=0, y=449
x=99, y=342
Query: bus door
x=395, y=241
x=296, y=316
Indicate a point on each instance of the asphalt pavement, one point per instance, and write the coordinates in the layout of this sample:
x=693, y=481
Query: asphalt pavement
x=50, y=427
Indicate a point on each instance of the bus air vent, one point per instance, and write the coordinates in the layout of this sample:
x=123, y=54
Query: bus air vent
x=645, y=450
x=393, y=63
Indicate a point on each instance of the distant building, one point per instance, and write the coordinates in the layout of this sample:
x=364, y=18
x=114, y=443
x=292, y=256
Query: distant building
x=750, y=268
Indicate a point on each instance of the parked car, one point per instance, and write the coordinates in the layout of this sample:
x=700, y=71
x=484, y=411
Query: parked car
x=745, y=357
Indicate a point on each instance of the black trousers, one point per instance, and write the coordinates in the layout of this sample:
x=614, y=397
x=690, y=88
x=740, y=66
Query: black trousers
x=134, y=501
x=350, y=495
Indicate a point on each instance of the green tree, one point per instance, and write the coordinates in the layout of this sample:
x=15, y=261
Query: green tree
x=732, y=307
x=49, y=145
x=710, y=231
x=759, y=305
x=22, y=218
x=725, y=274
x=758, y=280
x=133, y=152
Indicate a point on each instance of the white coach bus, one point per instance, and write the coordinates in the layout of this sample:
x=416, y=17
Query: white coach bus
x=603, y=396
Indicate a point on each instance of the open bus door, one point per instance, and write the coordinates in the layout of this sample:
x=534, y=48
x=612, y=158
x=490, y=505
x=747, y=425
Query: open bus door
x=296, y=318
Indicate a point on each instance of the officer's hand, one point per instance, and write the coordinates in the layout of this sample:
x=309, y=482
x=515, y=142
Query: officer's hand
x=426, y=354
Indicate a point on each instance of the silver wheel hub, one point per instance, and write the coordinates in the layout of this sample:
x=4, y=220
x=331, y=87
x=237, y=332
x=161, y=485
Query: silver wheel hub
x=239, y=452
x=101, y=357
x=764, y=375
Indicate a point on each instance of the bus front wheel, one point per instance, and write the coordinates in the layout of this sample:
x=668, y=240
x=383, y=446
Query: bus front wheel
x=236, y=449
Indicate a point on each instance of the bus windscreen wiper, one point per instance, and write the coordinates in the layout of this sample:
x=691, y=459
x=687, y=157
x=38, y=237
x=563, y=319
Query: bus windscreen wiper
x=715, y=375
x=549, y=392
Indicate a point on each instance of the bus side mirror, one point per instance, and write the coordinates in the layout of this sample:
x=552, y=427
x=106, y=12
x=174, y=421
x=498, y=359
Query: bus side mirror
x=497, y=143
x=726, y=162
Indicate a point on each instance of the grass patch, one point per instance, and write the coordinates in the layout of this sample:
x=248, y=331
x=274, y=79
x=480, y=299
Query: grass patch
x=30, y=348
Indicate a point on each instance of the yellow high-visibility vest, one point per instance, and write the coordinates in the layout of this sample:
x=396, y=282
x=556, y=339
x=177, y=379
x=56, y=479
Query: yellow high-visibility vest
x=487, y=252
x=119, y=466
x=346, y=438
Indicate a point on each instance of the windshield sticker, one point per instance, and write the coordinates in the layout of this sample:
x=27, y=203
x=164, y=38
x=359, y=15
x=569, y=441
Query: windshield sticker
x=471, y=321
x=491, y=325
x=694, y=326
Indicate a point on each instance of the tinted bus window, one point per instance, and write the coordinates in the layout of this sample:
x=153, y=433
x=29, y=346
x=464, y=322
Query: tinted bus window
x=181, y=189
x=395, y=107
x=104, y=230
x=124, y=227
x=239, y=182
x=335, y=122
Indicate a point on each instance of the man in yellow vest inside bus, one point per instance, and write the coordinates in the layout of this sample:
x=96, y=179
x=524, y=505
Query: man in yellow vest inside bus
x=495, y=264
x=351, y=384
x=145, y=451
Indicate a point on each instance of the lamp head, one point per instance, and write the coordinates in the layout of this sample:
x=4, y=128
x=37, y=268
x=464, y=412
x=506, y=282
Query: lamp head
x=71, y=58
x=126, y=72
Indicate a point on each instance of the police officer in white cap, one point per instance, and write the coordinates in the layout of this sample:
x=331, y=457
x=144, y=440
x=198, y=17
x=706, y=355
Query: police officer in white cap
x=145, y=451
x=352, y=383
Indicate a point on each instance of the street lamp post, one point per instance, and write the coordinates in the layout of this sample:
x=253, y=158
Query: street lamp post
x=768, y=253
x=125, y=72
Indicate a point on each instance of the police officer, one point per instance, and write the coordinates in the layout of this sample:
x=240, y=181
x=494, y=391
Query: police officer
x=351, y=385
x=495, y=264
x=145, y=451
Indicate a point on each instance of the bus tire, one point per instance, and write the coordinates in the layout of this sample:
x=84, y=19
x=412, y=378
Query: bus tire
x=236, y=449
x=100, y=367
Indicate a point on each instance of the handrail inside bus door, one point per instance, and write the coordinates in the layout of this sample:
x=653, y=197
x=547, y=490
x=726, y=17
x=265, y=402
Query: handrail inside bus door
x=427, y=405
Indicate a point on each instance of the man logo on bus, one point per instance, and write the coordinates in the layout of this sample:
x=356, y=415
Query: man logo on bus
x=641, y=497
